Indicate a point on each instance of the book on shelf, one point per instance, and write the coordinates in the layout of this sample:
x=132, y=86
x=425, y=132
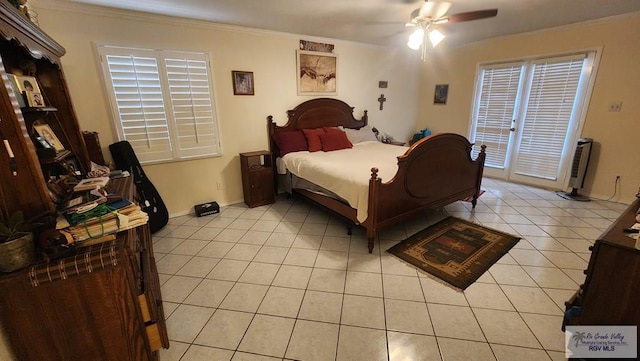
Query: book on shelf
x=91, y=184
x=116, y=174
x=84, y=201
x=92, y=207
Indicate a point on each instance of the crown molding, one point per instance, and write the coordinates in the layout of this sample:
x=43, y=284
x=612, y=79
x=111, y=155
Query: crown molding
x=87, y=9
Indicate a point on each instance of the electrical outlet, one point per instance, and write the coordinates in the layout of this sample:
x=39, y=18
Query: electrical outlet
x=219, y=185
x=615, y=107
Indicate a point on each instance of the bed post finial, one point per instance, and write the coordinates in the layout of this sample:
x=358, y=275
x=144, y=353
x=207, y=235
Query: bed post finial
x=374, y=173
x=482, y=148
x=365, y=117
x=271, y=125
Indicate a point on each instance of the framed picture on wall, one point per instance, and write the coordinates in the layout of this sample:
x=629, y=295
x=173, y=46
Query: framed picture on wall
x=242, y=82
x=314, y=46
x=440, y=94
x=317, y=73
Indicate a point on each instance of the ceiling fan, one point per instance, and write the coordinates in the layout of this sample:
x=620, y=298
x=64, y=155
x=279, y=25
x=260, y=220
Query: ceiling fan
x=435, y=13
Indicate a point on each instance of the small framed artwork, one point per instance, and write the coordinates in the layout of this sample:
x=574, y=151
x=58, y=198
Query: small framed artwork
x=35, y=99
x=317, y=73
x=45, y=131
x=27, y=83
x=313, y=46
x=16, y=90
x=242, y=82
x=440, y=94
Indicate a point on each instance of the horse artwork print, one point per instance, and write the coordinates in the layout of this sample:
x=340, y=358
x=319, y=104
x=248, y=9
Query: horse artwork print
x=316, y=73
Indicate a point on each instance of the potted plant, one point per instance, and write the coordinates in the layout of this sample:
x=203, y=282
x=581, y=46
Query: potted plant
x=16, y=243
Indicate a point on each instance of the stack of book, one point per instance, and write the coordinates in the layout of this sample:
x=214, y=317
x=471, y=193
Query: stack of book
x=130, y=216
x=93, y=215
x=88, y=184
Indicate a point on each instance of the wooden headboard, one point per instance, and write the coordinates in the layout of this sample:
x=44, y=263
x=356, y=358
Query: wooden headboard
x=316, y=113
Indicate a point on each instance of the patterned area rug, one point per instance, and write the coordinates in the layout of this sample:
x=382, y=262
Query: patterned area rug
x=455, y=250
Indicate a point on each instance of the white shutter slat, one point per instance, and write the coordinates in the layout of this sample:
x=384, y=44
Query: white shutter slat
x=137, y=92
x=192, y=106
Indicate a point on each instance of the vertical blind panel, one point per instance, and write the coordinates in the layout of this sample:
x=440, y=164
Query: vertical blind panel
x=548, y=112
x=499, y=87
x=192, y=106
x=138, y=98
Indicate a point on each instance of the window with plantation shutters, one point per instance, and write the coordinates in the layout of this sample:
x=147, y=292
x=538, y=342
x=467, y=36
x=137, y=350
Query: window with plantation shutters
x=162, y=102
x=528, y=114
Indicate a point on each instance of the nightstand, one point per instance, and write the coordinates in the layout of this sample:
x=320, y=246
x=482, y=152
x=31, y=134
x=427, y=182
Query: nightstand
x=257, y=178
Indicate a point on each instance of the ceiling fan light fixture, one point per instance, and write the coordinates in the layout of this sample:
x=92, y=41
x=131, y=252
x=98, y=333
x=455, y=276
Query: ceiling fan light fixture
x=434, y=12
x=416, y=38
x=435, y=37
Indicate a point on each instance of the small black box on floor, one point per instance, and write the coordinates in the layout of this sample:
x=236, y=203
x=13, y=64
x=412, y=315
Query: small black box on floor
x=206, y=209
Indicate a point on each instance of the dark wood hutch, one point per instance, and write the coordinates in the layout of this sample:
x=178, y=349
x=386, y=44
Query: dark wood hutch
x=24, y=45
x=66, y=309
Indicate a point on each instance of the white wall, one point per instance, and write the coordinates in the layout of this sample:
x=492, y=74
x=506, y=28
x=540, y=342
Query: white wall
x=270, y=55
x=615, y=134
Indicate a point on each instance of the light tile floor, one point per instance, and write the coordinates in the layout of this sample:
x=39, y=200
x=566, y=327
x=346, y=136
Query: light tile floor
x=285, y=282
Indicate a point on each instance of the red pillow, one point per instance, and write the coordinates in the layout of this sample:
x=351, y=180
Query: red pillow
x=313, y=138
x=335, y=141
x=290, y=141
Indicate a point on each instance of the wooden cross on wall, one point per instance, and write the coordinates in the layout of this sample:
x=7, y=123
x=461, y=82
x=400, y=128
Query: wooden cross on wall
x=382, y=99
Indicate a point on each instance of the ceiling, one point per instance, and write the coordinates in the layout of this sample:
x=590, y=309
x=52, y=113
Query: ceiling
x=379, y=22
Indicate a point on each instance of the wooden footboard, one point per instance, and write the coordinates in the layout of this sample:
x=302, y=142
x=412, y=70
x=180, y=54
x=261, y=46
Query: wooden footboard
x=435, y=171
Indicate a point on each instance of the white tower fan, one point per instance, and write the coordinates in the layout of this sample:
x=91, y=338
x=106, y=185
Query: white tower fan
x=579, y=170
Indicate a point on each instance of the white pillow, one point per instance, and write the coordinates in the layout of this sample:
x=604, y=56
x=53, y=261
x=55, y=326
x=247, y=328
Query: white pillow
x=360, y=135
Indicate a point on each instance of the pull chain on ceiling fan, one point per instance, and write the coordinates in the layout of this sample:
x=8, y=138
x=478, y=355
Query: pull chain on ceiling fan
x=434, y=13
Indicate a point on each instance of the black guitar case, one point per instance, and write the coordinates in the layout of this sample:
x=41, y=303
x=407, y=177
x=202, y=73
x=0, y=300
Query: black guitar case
x=148, y=196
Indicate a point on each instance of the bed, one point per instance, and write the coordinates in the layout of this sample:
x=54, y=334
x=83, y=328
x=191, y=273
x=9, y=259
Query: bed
x=433, y=172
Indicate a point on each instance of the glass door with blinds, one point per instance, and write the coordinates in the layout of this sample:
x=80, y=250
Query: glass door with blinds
x=528, y=114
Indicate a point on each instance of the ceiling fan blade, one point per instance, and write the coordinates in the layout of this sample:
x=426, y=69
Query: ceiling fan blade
x=469, y=16
x=434, y=9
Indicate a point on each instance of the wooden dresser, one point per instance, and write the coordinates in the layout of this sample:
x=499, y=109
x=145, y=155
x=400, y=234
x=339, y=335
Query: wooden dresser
x=610, y=293
x=103, y=303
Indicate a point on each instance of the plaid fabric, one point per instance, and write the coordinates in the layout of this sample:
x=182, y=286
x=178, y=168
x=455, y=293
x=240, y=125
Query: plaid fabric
x=89, y=259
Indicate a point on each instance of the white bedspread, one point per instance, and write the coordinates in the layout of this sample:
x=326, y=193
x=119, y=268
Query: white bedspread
x=347, y=172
